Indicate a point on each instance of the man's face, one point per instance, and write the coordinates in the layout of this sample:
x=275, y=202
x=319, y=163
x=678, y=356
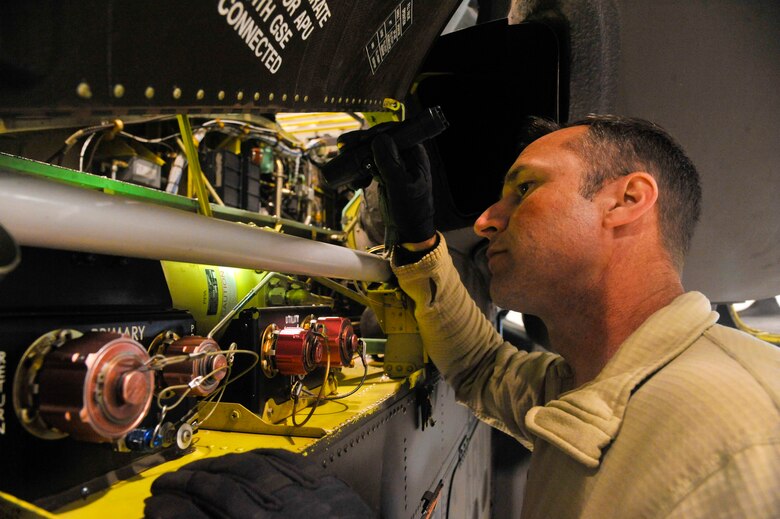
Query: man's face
x=544, y=236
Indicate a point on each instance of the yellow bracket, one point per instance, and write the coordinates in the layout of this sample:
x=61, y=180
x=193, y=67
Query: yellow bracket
x=404, y=353
x=397, y=113
x=193, y=164
x=277, y=412
x=393, y=310
x=396, y=106
x=226, y=416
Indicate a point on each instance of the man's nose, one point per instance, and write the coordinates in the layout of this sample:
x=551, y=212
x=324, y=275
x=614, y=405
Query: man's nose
x=491, y=221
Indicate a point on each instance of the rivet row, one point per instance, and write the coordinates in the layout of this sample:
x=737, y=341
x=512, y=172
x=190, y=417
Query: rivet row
x=84, y=90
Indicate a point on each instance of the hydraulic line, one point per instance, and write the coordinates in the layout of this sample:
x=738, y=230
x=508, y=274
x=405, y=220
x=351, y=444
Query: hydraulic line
x=42, y=213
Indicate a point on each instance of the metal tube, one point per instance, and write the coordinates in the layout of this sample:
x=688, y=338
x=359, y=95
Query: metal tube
x=9, y=253
x=44, y=213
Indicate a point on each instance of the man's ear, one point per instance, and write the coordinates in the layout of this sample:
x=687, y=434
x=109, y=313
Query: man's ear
x=628, y=198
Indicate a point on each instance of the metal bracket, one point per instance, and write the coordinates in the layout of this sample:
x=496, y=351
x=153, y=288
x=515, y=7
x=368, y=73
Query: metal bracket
x=404, y=353
x=231, y=417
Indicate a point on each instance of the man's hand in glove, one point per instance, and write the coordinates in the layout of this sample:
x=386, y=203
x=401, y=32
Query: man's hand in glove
x=405, y=187
x=404, y=178
x=264, y=483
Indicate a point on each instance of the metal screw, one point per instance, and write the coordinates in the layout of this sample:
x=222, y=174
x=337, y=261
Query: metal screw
x=149, y=92
x=119, y=90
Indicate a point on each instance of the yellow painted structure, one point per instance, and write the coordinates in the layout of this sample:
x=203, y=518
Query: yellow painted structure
x=126, y=498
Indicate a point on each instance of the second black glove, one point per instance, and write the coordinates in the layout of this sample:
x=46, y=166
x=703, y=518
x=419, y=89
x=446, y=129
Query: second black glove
x=263, y=483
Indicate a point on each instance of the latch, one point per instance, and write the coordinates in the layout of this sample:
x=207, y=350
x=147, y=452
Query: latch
x=425, y=406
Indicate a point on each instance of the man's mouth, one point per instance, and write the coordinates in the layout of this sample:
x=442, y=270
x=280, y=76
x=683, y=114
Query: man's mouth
x=492, y=251
x=492, y=254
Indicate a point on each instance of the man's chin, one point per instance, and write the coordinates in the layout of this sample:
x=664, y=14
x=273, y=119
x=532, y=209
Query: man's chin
x=499, y=296
x=504, y=293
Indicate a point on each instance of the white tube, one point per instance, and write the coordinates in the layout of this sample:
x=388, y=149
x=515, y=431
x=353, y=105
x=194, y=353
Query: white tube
x=9, y=253
x=44, y=213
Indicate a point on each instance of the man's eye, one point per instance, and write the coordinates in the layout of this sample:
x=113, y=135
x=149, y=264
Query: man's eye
x=523, y=188
x=517, y=191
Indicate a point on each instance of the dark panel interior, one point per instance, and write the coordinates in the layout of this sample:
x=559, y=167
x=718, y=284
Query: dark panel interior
x=488, y=79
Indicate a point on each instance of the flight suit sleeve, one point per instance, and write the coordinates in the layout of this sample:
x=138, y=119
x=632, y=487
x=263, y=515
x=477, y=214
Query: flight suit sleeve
x=496, y=380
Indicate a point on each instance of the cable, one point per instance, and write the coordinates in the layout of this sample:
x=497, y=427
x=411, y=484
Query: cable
x=159, y=362
x=317, y=401
x=260, y=129
x=449, y=490
x=144, y=140
x=262, y=134
x=463, y=449
x=84, y=150
x=209, y=401
x=362, y=379
x=89, y=130
x=73, y=139
x=164, y=361
x=247, y=370
x=170, y=391
x=88, y=165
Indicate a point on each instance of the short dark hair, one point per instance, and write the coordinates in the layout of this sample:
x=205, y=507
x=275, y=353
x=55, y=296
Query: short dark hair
x=615, y=146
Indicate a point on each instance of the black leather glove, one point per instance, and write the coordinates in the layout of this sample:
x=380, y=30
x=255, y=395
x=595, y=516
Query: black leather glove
x=405, y=188
x=264, y=483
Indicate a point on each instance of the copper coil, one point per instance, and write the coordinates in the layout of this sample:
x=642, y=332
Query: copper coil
x=298, y=351
x=92, y=387
x=341, y=340
x=182, y=373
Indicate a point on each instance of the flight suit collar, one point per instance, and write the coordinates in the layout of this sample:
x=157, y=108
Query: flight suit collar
x=584, y=421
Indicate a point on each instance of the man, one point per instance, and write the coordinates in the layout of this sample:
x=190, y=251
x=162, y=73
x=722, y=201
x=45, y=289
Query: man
x=656, y=411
